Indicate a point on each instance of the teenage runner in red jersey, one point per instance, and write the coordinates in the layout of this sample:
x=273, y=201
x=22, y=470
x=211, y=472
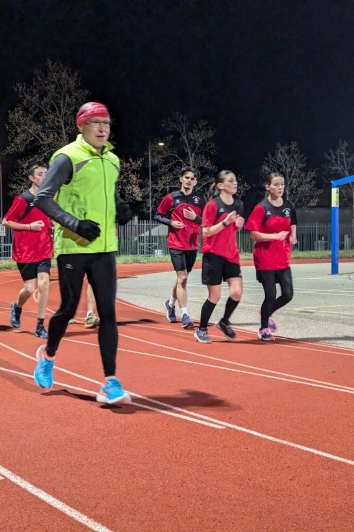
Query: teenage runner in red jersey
x=222, y=218
x=32, y=249
x=273, y=229
x=181, y=211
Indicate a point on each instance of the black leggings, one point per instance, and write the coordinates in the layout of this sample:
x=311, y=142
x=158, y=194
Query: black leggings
x=100, y=269
x=269, y=279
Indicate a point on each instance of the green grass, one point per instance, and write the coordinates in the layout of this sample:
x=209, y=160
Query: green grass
x=142, y=259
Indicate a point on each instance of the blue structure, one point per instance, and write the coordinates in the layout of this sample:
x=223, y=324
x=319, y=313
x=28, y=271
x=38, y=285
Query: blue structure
x=335, y=221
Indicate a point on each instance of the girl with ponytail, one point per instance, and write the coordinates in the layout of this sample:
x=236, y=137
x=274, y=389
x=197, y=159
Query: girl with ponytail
x=222, y=218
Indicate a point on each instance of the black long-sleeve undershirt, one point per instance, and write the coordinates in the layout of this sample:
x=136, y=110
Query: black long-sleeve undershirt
x=162, y=219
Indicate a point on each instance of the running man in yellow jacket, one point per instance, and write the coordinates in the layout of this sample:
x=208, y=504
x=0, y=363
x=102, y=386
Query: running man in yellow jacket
x=79, y=193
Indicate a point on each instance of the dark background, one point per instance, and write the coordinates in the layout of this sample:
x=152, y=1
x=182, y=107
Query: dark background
x=260, y=72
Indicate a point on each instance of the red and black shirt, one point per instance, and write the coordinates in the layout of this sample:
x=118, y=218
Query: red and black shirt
x=171, y=209
x=29, y=246
x=269, y=219
x=224, y=243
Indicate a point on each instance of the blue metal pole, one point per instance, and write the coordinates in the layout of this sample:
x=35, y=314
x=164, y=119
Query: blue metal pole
x=335, y=230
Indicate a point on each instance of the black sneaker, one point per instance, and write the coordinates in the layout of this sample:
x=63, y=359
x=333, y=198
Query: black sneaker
x=15, y=316
x=226, y=329
x=41, y=332
x=202, y=336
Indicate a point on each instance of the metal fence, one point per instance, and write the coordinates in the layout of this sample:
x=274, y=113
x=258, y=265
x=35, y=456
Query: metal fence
x=138, y=238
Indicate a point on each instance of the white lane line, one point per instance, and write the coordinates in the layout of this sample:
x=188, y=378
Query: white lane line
x=229, y=362
x=294, y=378
x=253, y=333
x=212, y=420
x=193, y=418
x=52, y=501
x=277, y=338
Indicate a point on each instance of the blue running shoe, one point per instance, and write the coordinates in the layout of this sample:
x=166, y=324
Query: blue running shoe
x=15, y=316
x=170, y=312
x=112, y=392
x=41, y=332
x=187, y=323
x=43, y=373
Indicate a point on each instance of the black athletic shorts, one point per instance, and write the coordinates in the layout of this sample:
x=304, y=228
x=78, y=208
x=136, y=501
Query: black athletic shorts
x=183, y=260
x=216, y=269
x=274, y=276
x=30, y=270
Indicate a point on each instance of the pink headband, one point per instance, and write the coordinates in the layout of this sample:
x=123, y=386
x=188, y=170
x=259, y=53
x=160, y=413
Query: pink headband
x=91, y=110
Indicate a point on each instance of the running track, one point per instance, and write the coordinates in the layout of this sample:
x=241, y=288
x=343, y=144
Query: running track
x=242, y=437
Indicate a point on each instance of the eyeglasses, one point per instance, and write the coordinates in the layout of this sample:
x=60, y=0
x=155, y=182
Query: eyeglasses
x=97, y=123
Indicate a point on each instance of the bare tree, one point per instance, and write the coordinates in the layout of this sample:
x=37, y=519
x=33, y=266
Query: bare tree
x=44, y=118
x=340, y=163
x=129, y=181
x=300, y=184
x=186, y=145
x=44, y=121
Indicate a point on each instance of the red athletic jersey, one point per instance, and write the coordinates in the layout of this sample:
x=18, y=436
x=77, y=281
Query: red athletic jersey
x=224, y=243
x=29, y=246
x=266, y=218
x=172, y=207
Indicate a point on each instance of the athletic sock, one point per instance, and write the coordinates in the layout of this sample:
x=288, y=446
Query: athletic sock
x=207, y=310
x=229, y=309
x=88, y=313
x=184, y=310
x=172, y=301
x=40, y=322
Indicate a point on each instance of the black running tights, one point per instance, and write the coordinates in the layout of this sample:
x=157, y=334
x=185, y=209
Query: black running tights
x=271, y=303
x=100, y=269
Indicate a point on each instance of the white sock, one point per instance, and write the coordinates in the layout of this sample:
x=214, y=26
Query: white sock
x=172, y=301
x=88, y=313
x=184, y=311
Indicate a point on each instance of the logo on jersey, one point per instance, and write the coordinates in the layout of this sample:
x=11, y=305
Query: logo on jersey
x=222, y=209
x=32, y=204
x=196, y=199
x=178, y=201
x=286, y=212
x=268, y=213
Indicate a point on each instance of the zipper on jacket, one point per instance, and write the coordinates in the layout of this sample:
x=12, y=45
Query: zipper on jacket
x=105, y=193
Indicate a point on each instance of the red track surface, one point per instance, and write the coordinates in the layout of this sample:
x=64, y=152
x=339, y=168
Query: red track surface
x=243, y=436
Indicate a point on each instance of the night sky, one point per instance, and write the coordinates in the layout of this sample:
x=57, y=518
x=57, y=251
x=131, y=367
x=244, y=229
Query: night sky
x=261, y=72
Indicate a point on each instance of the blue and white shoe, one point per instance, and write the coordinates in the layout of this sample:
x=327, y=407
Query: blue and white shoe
x=187, y=323
x=43, y=373
x=272, y=325
x=112, y=392
x=15, y=316
x=41, y=332
x=170, y=312
x=265, y=334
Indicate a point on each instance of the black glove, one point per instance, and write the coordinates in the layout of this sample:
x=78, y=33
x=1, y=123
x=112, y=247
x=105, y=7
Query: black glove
x=88, y=229
x=124, y=214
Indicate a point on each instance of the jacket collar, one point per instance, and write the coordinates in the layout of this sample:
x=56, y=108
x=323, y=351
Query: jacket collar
x=106, y=147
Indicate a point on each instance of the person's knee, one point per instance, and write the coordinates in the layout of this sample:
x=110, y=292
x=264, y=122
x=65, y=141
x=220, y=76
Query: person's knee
x=43, y=285
x=182, y=278
x=288, y=293
x=29, y=289
x=107, y=313
x=236, y=293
